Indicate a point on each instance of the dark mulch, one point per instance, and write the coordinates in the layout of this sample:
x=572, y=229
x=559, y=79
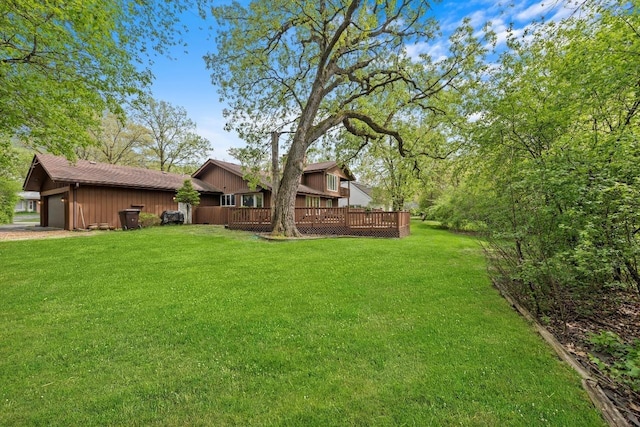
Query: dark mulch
x=617, y=312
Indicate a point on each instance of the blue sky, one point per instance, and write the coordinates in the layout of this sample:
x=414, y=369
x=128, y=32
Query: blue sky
x=184, y=81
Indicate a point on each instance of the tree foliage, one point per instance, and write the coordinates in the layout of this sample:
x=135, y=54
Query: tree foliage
x=310, y=67
x=555, y=160
x=9, y=179
x=63, y=64
x=172, y=138
x=188, y=194
x=117, y=141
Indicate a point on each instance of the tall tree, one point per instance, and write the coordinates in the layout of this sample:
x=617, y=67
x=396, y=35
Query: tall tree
x=117, y=142
x=309, y=66
x=62, y=65
x=173, y=140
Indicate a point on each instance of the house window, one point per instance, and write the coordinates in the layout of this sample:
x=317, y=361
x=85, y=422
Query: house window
x=228, y=200
x=312, y=202
x=252, y=200
x=329, y=203
x=332, y=182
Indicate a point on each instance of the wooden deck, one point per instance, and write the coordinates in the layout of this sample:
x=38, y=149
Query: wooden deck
x=335, y=221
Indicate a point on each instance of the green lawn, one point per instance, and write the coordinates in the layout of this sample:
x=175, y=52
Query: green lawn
x=197, y=325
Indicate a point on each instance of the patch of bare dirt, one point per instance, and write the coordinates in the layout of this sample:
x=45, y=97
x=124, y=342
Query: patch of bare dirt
x=6, y=235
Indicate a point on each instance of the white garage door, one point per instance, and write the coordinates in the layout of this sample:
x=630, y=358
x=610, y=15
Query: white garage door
x=56, y=211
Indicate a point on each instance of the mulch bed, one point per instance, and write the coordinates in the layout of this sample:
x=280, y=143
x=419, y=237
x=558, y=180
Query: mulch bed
x=618, y=313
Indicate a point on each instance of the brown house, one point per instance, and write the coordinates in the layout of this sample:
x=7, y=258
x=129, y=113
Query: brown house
x=320, y=184
x=75, y=195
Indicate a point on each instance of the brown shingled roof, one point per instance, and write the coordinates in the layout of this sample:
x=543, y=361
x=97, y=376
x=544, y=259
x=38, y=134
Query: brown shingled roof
x=266, y=179
x=322, y=166
x=60, y=169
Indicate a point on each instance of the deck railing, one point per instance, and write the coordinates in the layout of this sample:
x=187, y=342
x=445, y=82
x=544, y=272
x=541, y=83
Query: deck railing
x=339, y=221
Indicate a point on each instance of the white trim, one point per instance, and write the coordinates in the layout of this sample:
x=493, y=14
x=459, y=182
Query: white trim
x=255, y=198
x=333, y=179
x=224, y=198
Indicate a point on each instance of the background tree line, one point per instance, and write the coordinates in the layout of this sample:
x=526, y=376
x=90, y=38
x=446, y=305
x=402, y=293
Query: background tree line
x=154, y=134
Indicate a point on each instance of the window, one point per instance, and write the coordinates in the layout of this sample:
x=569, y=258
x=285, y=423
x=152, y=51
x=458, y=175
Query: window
x=252, y=200
x=312, y=202
x=228, y=200
x=329, y=203
x=332, y=182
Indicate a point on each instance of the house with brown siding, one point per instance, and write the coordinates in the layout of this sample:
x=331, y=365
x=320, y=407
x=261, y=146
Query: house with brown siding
x=319, y=187
x=76, y=195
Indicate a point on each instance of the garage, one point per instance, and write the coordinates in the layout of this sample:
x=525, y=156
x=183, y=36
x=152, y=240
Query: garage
x=55, y=211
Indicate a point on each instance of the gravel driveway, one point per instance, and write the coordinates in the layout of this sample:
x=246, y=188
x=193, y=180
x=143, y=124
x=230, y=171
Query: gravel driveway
x=29, y=230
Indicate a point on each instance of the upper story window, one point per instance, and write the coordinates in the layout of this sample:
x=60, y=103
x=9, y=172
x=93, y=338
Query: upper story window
x=228, y=200
x=332, y=182
x=252, y=200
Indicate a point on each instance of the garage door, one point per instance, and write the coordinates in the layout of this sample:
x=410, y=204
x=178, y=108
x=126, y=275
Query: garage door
x=56, y=211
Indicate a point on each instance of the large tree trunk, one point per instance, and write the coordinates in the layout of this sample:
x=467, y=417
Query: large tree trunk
x=284, y=220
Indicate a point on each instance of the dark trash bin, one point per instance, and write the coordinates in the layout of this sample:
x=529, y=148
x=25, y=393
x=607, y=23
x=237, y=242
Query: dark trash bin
x=171, y=217
x=129, y=219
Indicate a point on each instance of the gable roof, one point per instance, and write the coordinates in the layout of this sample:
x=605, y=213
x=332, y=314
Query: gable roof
x=265, y=179
x=317, y=167
x=59, y=169
x=324, y=166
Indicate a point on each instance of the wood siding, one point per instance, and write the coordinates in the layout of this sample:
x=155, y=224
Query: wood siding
x=318, y=181
x=338, y=172
x=226, y=181
x=100, y=205
x=315, y=180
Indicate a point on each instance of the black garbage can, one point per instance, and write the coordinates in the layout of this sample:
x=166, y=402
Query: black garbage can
x=129, y=219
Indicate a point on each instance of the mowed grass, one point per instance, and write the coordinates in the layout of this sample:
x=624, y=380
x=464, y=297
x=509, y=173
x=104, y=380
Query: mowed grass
x=197, y=325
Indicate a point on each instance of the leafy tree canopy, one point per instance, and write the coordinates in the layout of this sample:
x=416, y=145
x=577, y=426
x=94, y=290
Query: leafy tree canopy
x=310, y=67
x=172, y=139
x=63, y=63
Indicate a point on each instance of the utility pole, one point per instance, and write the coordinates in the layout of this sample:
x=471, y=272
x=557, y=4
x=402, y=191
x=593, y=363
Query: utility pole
x=275, y=170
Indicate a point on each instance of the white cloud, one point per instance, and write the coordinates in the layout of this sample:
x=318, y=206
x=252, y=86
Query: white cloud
x=532, y=12
x=549, y=10
x=436, y=49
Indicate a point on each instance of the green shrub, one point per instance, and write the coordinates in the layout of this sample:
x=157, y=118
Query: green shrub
x=148, y=219
x=8, y=199
x=622, y=359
